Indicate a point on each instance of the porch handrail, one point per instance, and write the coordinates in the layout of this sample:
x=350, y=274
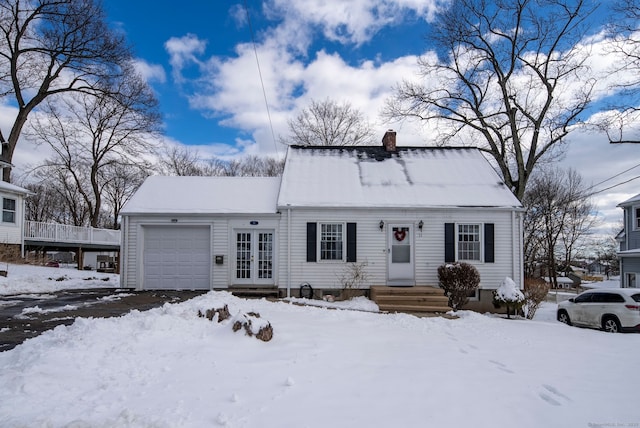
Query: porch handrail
x=56, y=232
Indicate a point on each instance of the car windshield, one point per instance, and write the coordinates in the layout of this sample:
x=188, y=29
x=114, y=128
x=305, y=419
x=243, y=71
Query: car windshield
x=636, y=297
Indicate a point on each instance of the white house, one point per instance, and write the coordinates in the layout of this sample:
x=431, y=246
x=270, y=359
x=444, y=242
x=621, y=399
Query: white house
x=399, y=211
x=12, y=224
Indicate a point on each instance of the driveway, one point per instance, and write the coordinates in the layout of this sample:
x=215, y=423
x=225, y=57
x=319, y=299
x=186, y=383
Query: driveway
x=25, y=316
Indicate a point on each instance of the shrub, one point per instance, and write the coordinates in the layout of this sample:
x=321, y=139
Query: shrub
x=535, y=292
x=508, y=295
x=458, y=280
x=354, y=277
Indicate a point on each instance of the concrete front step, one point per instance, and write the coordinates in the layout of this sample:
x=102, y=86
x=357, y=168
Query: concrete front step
x=245, y=291
x=412, y=300
x=414, y=308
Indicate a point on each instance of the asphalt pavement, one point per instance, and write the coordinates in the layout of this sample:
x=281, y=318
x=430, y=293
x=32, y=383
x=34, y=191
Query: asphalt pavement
x=24, y=316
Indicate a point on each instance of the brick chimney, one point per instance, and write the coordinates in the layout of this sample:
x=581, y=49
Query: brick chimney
x=389, y=141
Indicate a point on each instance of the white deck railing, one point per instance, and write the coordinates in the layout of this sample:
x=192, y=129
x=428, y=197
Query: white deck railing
x=54, y=232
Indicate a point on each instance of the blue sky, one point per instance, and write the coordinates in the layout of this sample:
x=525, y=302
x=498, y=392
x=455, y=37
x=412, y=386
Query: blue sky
x=160, y=33
x=222, y=26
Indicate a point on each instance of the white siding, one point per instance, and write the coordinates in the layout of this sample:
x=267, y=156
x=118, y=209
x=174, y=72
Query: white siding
x=372, y=244
x=11, y=233
x=221, y=243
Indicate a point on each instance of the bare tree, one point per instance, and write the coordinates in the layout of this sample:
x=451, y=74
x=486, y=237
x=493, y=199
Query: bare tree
x=56, y=197
x=88, y=134
x=185, y=160
x=626, y=47
x=328, y=123
x=507, y=75
x=559, y=213
x=578, y=223
x=120, y=183
x=182, y=161
x=258, y=166
x=46, y=204
x=49, y=47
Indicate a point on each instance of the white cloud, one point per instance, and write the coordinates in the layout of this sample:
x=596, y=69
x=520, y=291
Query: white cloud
x=150, y=72
x=351, y=22
x=591, y=155
x=184, y=51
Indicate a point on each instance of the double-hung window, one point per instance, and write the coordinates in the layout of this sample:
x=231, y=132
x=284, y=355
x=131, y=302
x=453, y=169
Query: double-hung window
x=8, y=210
x=331, y=241
x=636, y=212
x=468, y=242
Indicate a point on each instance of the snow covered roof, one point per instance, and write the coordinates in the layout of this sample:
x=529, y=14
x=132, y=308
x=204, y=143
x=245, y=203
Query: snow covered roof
x=205, y=195
x=631, y=201
x=12, y=188
x=407, y=177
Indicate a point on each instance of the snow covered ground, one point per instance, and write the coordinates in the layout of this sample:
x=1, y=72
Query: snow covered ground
x=23, y=278
x=323, y=368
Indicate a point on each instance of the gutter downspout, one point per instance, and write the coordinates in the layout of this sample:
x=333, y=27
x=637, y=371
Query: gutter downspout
x=516, y=221
x=288, y=251
x=123, y=240
x=22, y=227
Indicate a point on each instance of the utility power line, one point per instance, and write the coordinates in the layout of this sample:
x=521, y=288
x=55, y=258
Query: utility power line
x=264, y=93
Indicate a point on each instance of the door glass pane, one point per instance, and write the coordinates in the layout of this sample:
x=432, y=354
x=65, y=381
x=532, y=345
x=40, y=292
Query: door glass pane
x=265, y=255
x=401, y=254
x=243, y=255
x=401, y=245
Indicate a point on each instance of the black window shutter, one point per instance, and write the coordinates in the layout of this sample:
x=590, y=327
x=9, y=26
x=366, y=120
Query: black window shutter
x=449, y=243
x=351, y=242
x=489, y=243
x=311, y=242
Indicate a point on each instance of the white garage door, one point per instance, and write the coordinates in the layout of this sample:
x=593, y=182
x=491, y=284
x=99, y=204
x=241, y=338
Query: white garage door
x=177, y=257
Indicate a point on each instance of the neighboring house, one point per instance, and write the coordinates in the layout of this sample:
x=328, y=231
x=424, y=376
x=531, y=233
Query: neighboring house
x=563, y=282
x=400, y=211
x=12, y=222
x=629, y=254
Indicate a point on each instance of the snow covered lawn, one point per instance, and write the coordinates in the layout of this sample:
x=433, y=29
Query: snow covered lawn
x=323, y=368
x=23, y=278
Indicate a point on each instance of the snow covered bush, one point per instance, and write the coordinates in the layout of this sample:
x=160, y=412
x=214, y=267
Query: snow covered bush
x=508, y=295
x=458, y=280
x=535, y=292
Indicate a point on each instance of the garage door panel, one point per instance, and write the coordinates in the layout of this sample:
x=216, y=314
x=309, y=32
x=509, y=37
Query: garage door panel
x=177, y=257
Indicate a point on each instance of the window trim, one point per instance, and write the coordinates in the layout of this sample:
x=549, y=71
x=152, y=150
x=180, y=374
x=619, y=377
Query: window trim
x=456, y=240
x=635, y=214
x=476, y=295
x=13, y=211
x=343, y=241
x=627, y=279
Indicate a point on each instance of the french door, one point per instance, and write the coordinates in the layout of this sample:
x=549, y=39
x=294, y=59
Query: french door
x=254, y=262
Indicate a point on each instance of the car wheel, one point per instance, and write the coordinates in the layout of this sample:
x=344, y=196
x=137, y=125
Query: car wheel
x=611, y=325
x=563, y=317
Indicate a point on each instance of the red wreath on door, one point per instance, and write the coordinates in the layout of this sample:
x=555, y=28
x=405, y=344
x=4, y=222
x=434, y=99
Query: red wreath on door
x=400, y=234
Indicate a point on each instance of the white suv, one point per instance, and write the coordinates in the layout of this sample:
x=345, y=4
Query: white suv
x=612, y=310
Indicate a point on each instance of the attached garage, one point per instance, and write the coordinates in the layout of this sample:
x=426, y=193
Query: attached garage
x=200, y=233
x=177, y=257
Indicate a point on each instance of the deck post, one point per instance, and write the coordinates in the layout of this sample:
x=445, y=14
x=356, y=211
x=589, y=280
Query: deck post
x=80, y=258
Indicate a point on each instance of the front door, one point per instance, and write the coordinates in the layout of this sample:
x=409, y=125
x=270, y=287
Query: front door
x=254, y=257
x=401, y=266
